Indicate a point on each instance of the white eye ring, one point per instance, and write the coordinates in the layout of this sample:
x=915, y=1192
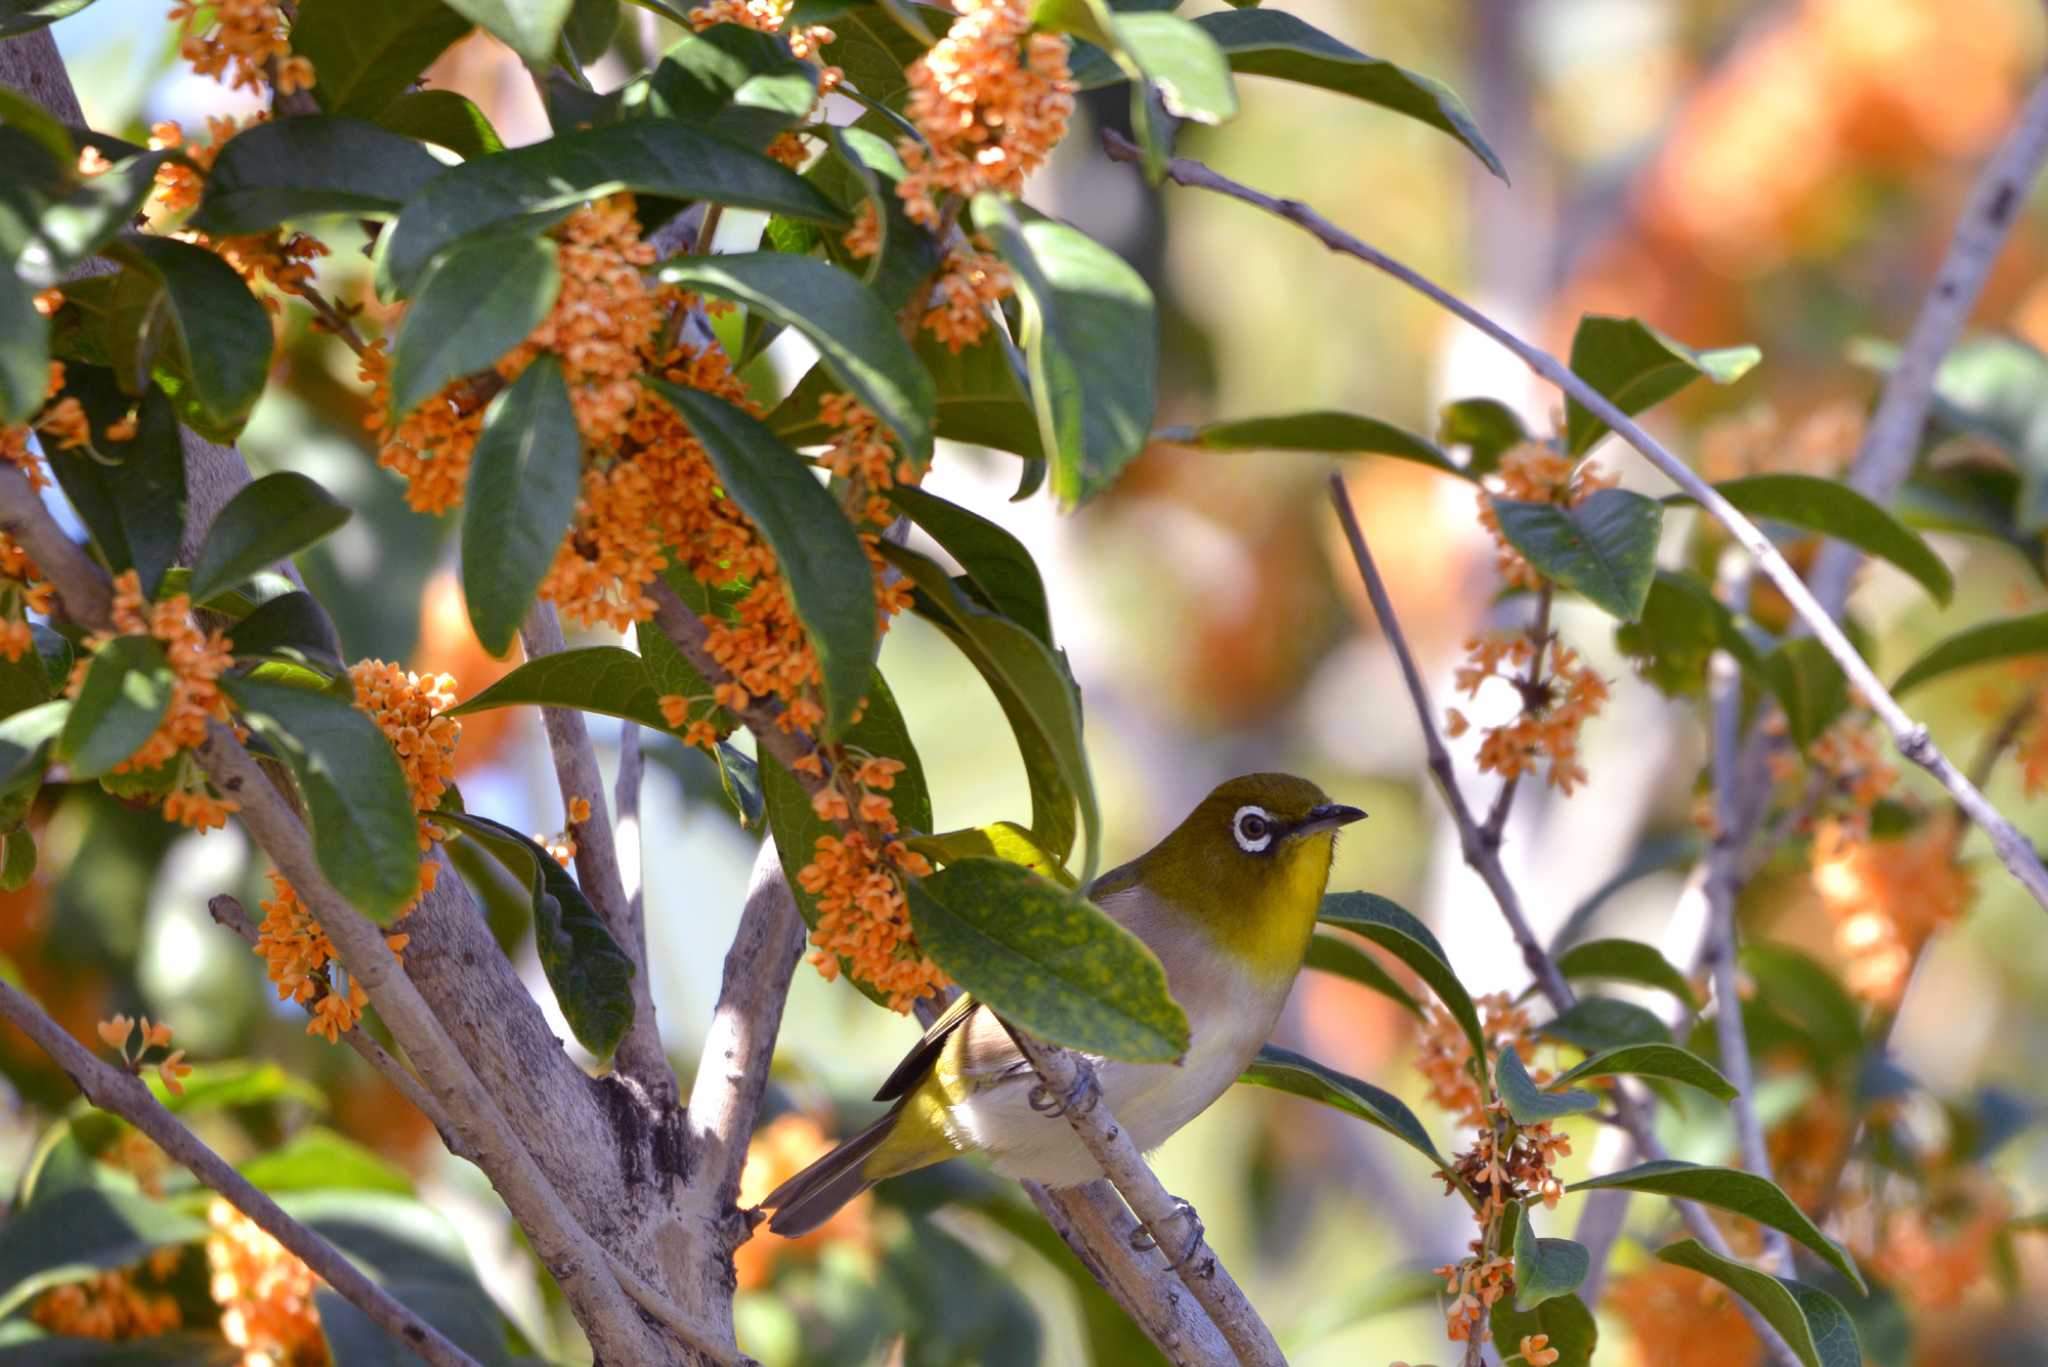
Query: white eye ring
x=1253, y=829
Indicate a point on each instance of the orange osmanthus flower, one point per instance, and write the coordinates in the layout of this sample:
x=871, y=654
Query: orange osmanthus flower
x=245, y=43
x=1888, y=897
x=778, y=1151
x=265, y=1292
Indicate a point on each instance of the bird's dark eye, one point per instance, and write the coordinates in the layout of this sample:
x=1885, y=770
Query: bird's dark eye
x=1253, y=829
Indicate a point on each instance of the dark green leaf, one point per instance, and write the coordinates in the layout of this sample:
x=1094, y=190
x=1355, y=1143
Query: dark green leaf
x=1091, y=336
x=591, y=976
x=443, y=118
x=1681, y=626
x=367, y=53
x=1530, y=1104
x=739, y=778
x=981, y=400
x=24, y=351
x=1005, y=577
x=1604, y=548
x=1545, y=1268
x=1813, y=1323
x=823, y=566
x=1809, y=685
x=1487, y=428
x=1653, y=1060
x=1565, y=1319
x=130, y=494
x=1635, y=366
x=365, y=833
x=17, y=859
x=293, y=627
x=127, y=691
x=528, y=27
x=856, y=338
x=590, y=28
x=523, y=485
x=529, y=185
x=1833, y=508
x=1037, y=696
x=734, y=81
x=26, y=16
x=1407, y=939
x=1333, y=954
x=1596, y=1023
x=1283, y=1070
x=86, y=217
x=268, y=520
x=25, y=740
x=1047, y=960
x=309, y=165
x=1802, y=988
x=1629, y=961
x=1729, y=1189
x=216, y=341
x=1272, y=43
x=475, y=304
x=81, y=1231
x=2006, y=639
x=1337, y=434
x=603, y=679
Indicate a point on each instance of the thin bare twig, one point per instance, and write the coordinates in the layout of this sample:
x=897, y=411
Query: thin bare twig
x=2015, y=851
x=1539, y=637
x=1485, y=861
x=640, y=1056
x=123, y=1094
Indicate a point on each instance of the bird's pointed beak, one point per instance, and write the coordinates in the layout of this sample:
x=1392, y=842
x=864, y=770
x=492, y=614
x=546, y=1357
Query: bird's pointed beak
x=1328, y=817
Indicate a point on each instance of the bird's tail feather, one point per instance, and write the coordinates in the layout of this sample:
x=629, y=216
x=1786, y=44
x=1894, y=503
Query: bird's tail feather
x=814, y=1195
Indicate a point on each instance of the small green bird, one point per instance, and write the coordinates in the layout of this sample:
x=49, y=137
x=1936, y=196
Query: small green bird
x=1227, y=902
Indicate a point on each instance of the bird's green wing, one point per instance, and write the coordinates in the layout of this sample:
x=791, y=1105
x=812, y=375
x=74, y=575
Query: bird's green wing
x=925, y=1052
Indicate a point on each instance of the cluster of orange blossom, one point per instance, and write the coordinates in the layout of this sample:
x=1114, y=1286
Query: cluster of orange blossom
x=805, y=42
x=114, y=1304
x=118, y=1032
x=1761, y=441
x=1808, y=1148
x=1506, y=1165
x=1680, y=1319
x=1933, y=1251
x=1444, y=1055
x=280, y=259
x=857, y=879
x=298, y=956
x=196, y=660
x=1888, y=898
x=264, y=1291
x=247, y=46
x=1845, y=767
x=778, y=1151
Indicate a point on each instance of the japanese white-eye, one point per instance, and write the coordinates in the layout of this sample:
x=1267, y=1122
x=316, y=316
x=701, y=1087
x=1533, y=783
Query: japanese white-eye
x=1227, y=901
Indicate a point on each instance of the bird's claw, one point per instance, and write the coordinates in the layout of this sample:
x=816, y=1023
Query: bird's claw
x=1142, y=1239
x=1081, y=1100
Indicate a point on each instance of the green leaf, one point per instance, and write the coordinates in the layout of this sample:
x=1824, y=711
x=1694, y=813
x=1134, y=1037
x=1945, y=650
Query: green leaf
x=1565, y=1319
x=127, y=691
x=2006, y=639
x=734, y=81
x=1091, y=335
x=857, y=340
x=608, y=680
x=1653, y=1060
x=1487, y=428
x=1730, y=1189
x=1037, y=695
x=1047, y=960
x=1629, y=961
x=443, y=118
x=1530, y=1104
x=981, y=399
x=1283, y=1070
x=528, y=27
x=215, y=357
x=1000, y=840
x=1334, y=954
x=1834, y=509
x=26, y=16
x=365, y=833
x=1800, y=987
x=318, y=1159
x=823, y=565
x=82, y=220
x=1604, y=548
x=81, y=1231
x=523, y=484
x=1812, y=1323
x=1003, y=576
x=591, y=976
x=24, y=351
x=291, y=627
x=1809, y=685
x=1271, y=43
x=1545, y=1268
x=26, y=738
x=1184, y=62
x=236, y=1084
x=309, y=165
x=527, y=186
x=17, y=859
x=1596, y=1023
x=367, y=53
x=475, y=304
x=131, y=494
x=1332, y=433
x=1407, y=939
x=1682, y=624
x=268, y=520
x=1635, y=366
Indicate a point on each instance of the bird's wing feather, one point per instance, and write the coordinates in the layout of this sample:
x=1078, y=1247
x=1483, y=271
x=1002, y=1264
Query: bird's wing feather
x=925, y=1052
